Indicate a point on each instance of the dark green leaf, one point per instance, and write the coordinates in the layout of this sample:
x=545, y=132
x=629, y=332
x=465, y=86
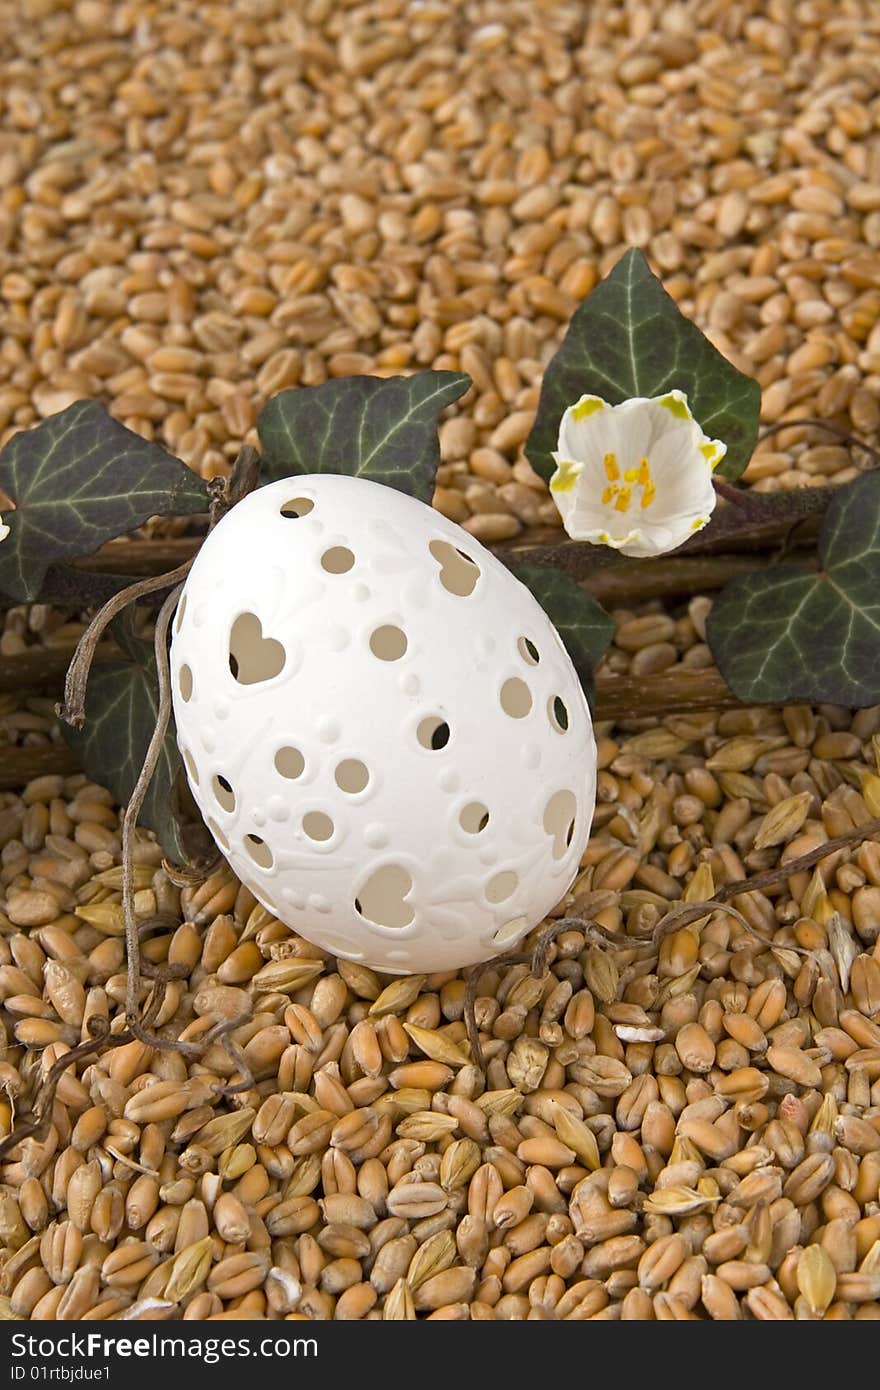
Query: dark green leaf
x=68, y=586
x=384, y=429
x=628, y=339
x=77, y=480
x=584, y=626
x=788, y=634
x=121, y=708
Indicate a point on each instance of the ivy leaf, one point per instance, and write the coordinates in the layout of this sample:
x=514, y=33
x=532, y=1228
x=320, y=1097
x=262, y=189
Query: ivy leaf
x=381, y=428
x=77, y=480
x=122, y=703
x=628, y=338
x=584, y=626
x=789, y=634
x=67, y=586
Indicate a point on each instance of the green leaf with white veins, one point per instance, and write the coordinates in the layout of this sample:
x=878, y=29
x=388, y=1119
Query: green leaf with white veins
x=380, y=428
x=789, y=634
x=629, y=338
x=122, y=702
x=584, y=626
x=77, y=480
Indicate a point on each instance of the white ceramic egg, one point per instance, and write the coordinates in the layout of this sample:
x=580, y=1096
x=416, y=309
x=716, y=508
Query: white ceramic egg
x=380, y=725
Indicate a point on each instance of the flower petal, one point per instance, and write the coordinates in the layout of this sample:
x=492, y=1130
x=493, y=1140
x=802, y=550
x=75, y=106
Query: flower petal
x=590, y=437
x=567, y=473
x=597, y=535
x=675, y=403
x=670, y=415
x=575, y=433
x=661, y=539
x=682, y=478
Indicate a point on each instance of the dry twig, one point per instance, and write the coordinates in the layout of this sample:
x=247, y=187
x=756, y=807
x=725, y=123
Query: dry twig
x=677, y=917
x=72, y=711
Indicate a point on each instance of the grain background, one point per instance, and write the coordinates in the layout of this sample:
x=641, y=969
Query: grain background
x=203, y=204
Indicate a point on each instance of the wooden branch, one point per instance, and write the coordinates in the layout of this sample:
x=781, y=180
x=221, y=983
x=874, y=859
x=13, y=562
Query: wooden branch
x=760, y=522
x=90, y=582
x=69, y=586
x=616, y=697
x=141, y=557
x=20, y=765
x=635, y=581
x=44, y=667
x=667, y=692
x=606, y=575
x=609, y=577
x=727, y=534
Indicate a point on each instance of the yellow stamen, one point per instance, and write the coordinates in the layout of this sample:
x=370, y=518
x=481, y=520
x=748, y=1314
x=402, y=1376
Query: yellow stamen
x=619, y=496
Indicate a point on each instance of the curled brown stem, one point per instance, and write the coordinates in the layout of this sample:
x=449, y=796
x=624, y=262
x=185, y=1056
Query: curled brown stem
x=189, y=875
x=135, y=801
x=773, y=878
x=164, y=973
x=537, y=959
x=852, y=441
x=146, y=1020
x=737, y=496
x=598, y=935
x=237, y=1056
x=681, y=915
x=472, y=977
x=129, y=825
x=687, y=914
x=244, y=475
x=37, y=1126
x=218, y=500
x=72, y=711
x=225, y=492
x=139, y=1025
x=222, y=1032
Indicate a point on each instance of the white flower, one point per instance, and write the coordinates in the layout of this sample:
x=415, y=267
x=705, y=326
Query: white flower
x=4, y=530
x=635, y=476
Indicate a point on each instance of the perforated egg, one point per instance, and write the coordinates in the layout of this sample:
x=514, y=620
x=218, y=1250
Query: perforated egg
x=380, y=725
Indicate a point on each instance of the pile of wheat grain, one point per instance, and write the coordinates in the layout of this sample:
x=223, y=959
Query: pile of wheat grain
x=689, y=1134
x=204, y=203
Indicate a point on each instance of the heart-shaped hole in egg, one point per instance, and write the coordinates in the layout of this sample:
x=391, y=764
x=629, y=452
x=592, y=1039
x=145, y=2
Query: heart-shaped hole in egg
x=253, y=657
x=458, y=572
x=559, y=814
x=382, y=899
